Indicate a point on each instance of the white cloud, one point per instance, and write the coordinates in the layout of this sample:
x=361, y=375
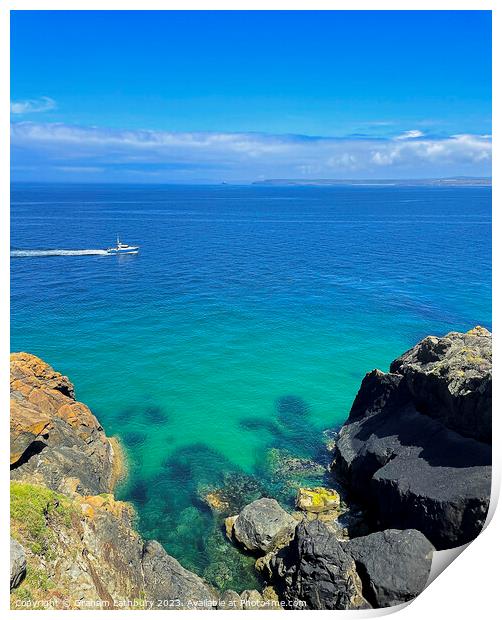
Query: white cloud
x=29, y=106
x=247, y=155
x=410, y=135
x=454, y=149
x=346, y=161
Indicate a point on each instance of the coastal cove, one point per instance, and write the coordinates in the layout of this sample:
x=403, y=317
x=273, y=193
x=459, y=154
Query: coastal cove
x=244, y=326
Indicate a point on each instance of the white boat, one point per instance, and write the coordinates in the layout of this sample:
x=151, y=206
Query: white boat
x=123, y=248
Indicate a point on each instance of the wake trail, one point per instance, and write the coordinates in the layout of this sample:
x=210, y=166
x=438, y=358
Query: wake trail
x=38, y=253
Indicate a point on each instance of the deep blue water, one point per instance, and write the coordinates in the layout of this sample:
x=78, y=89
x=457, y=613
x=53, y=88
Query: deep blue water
x=245, y=323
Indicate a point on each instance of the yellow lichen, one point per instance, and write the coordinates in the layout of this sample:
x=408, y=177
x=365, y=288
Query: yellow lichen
x=318, y=499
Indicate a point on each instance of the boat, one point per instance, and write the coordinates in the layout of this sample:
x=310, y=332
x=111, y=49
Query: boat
x=123, y=248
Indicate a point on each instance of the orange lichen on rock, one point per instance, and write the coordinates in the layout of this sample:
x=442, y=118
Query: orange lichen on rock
x=45, y=418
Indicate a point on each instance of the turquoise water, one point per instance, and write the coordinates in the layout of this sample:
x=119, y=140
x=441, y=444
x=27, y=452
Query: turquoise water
x=245, y=323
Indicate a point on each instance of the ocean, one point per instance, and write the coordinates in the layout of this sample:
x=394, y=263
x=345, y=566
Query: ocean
x=242, y=329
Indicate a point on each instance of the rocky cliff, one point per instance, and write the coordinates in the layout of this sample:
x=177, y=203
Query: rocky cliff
x=73, y=544
x=416, y=448
x=413, y=456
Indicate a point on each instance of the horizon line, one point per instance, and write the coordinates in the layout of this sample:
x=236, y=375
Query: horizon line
x=462, y=180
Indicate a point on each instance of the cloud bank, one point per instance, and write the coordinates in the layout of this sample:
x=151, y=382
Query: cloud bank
x=57, y=151
x=30, y=106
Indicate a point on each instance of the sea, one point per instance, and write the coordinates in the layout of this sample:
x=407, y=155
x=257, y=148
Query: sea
x=229, y=349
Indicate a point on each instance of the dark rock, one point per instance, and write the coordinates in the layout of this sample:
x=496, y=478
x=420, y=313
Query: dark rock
x=229, y=600
x=412, y=472
x=166, y=580
x=401, y=460
x=450, y=378
x=379, y=393
x=263, y=526
x=17, y=563
x=314, y=571
x=393, y=565
x=252, y=600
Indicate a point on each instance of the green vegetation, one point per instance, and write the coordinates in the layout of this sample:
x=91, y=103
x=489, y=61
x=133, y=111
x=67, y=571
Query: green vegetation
x=35, y=587
x=32, y=508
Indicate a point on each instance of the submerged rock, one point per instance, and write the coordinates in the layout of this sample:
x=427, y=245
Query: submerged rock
x=314, y=571
x=228, y=568
x=263, y=525
x=330, y=436
x=237, y=490
x=318, y=499
x=394, y=565
x=217, y=501
x=283, y=464
x=17, y=563
x=403, y=450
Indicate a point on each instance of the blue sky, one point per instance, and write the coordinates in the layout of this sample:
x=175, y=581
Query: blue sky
x=238, y=96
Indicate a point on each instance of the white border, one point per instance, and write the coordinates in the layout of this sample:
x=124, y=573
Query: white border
x=471, y=585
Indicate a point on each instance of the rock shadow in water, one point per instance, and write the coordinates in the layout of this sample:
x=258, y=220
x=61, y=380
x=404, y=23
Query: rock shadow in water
x=138, y=492
x=177, y=514
x=156, y=415
x=134, y=439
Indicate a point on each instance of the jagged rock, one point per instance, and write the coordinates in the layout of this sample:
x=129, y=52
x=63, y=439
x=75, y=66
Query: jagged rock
x=330, y=436
x=229, y=600
x=399, y=458
x=85, y=547
x=54, y=438
x=252, y=600
x=77, y=537
x=229, y=526
x=263, y=525
x=318, y=499
x=17, y=563
x=271, y=599
x=393, y=565
x=263, y=565
x=314, y=571
x=167, y=580
x=249, y=600
x=95, y=552
x=450, y=378
x=380, y=392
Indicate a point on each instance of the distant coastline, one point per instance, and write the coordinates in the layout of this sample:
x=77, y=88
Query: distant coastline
x=446, y=182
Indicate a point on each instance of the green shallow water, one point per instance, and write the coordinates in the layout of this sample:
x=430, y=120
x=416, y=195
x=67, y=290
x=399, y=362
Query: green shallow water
x=246, y=323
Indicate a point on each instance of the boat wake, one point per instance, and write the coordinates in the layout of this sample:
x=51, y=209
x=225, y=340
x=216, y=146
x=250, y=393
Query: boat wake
x=35, y=253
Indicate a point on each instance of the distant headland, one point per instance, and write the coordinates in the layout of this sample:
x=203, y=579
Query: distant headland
x=446, y=182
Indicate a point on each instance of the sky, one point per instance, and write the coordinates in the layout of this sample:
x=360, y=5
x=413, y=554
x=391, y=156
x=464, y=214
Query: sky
x=240, y=96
